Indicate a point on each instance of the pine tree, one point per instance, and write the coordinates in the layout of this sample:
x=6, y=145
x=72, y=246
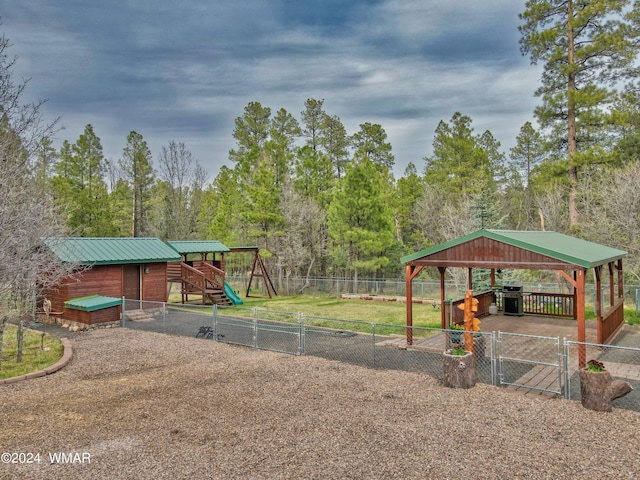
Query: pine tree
x=359, y=219
x=585, y=47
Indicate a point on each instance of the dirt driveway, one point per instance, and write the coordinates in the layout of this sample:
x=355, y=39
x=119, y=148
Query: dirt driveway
x=144, y=405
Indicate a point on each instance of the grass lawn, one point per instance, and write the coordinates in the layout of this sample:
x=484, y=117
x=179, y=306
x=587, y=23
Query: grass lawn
x=361, y=310
x=37, y=352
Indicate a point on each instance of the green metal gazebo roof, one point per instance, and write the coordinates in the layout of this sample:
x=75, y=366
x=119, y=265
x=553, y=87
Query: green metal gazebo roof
x=552, y=244
x=111, y=251
x=185, y=247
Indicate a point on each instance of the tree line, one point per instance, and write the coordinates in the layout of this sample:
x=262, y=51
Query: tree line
x=321, y=201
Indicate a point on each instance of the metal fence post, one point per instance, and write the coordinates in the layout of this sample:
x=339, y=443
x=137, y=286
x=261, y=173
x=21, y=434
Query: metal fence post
x=124, y=317
x=494, y=369
x=301, y=334
x=373, y=336
x=255, y=328
x=565, y=367
x=164, y=317
x=497, y=360
x=214, y=311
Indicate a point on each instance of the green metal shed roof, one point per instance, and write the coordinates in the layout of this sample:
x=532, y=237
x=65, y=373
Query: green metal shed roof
x=92, y=303
x=109, y=251
x=184, y=247
x=552, y=244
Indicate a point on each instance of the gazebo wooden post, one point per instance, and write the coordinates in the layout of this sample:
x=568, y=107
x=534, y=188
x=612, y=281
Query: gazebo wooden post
x=411, y=271
x=579, y=282
x=443, y=313
x=580, y=287
x=598, y=274
x=620, y=280
x=409, y=300
x=612, y=291
x=469, y=278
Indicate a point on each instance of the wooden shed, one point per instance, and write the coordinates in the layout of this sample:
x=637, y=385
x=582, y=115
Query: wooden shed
x=133, y=268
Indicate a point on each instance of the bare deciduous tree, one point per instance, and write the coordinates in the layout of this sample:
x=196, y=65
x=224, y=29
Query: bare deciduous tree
x=27, y=213
x=304, y=239
x=184, y=179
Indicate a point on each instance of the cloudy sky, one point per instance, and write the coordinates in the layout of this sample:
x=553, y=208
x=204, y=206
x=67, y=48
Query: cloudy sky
x=183, y=70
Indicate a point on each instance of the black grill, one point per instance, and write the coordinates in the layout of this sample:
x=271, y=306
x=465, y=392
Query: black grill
x=512, y=298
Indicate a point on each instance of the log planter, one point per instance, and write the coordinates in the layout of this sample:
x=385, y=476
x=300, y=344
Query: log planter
x=458, y=370
x=598, y=390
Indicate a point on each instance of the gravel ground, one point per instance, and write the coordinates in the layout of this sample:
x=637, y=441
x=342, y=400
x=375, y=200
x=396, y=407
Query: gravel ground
x=150, y=406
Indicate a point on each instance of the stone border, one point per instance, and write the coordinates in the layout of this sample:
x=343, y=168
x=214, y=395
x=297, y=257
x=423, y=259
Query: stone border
x=66, y=358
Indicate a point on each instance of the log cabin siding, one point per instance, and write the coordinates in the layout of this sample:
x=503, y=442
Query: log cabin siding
x=106, y=280
x=154, y=283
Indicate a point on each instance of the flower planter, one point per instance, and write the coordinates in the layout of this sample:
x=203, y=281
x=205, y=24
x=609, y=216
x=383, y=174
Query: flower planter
x=594, y=390
x=598, y=390
x=456, y=337
x=458, y=370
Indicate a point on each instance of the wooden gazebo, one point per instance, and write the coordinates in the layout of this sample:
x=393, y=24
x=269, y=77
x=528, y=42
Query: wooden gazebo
x=530, y=250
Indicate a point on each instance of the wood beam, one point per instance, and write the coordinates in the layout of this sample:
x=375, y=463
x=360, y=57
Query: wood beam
x=620, y=279
x=410, y=273
x=443, y=316
x=579, y=308
x=598, y=307
x=566, y=276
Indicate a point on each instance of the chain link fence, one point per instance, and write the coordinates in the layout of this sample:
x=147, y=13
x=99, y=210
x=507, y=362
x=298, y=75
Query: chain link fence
x=622, y=361
x=502, y=359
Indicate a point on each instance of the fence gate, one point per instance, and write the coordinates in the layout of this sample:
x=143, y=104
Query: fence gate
x=530, y=362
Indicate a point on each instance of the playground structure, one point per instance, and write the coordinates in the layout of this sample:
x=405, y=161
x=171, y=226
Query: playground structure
x=258, y=270
x=201, y=271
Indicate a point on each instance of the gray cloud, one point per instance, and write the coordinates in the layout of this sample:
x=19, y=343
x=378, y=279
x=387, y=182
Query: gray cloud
x=185, y=70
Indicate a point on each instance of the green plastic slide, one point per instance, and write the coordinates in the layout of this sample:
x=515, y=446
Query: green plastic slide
x=235, y=299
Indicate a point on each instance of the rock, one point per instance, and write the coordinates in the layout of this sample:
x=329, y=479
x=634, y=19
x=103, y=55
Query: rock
x=619, y=389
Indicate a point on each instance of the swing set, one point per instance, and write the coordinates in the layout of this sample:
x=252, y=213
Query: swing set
x=258, y=270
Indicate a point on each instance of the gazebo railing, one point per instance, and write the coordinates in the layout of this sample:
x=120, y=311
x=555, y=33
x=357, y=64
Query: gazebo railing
x=612, y=320
x=537, y=303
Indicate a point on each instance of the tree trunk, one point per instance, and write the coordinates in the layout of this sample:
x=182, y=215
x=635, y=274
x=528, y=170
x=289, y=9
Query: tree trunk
x=598, y=390
x=20, y=338
x=3, y=321
x=458, y=370
x=572, y=142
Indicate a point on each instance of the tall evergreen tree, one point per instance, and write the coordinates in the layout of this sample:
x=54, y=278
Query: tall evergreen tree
x=462, y=163
x=279, y=149
x=79, y=186
x=251, y=132
x=528, y=152
x=586, y=47
x=408, y=189
x=137, y=170
x=313, y=175
x=312, y=120
x=371, y=141
x=360, y=220
x=335, y=143
x=220, y=214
